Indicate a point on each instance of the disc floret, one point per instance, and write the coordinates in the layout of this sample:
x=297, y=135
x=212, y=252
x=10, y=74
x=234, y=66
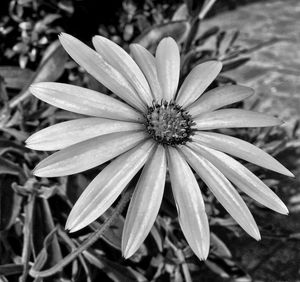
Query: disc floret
x=168, y=123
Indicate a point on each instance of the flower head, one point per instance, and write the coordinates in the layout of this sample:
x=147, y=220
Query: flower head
x=156, y=128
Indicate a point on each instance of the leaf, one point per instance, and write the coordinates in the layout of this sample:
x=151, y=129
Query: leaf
x=15, y=77
x=72, y=246
x=181, y=13
x=194, y=6
x=227, y=268
x=206, y=8
x=43, y=254
x=8, y=167
x=216, y=269
x=157, y=238
x=233, y=64
x=218, y=246
x=10, y=146
x=151, y=36
x=115, y=271
x=11, y=269
x=206, y=35
x=112, y=235
x=51, y=68
x=44, y=242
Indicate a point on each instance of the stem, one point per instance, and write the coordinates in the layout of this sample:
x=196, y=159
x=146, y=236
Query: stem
x=195, y=23
x=181, y=258
x=89, y=242
x=26, y=252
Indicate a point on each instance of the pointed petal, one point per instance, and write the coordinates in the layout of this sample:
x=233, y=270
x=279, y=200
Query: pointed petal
x=105, y=73
x=168, y=67
x=146, y=62
x=83, y=101
x=189, y=203
x=240, y=149
x=62, y=135
x=145, y=203
x=231, y=118
x=242, y=178
x=218, y=98
x=107, y=186
x=223, y=191
x=122, y=62
x=197, y=81
x=88, y=154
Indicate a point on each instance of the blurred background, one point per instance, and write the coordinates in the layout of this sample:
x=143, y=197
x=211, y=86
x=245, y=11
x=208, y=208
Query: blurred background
x=258, y=43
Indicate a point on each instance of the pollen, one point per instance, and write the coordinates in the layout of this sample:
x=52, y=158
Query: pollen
x=168, y=123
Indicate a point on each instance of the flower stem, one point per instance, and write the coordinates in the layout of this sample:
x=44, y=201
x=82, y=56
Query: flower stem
x=89, y=242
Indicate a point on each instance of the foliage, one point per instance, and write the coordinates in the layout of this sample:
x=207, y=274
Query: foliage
x=33, y=211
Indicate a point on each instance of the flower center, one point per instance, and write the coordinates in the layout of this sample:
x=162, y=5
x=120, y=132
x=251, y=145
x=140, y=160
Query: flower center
x=168, y=123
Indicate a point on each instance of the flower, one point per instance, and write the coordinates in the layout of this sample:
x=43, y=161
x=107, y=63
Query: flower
x=156, y=128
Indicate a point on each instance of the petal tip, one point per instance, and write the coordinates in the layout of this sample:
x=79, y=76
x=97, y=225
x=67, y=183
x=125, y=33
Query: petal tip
x=72, y=230
x=63, y=35
x=283, y=209
x=71, y=226
x=256, y=234
x=41, y=172
x=36, y=172
x=169, y=38
x=288, y=173
x=128, y=250
x=202, y=254
x=28, y=145
x=126, y=254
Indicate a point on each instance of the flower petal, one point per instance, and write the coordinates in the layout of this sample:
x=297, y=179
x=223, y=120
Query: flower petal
x=95, y=65
x=71, y=132
x=107, y=186
x=146, y=62
x=189, y=203
x=88, y=154
x=145, y=203
x=242, y=178
x=122, y=62
x=168, y=67
x=197, y=81
x=218, y=98
x=223, y=191
x=240, y=149
x=83, y=101
x=230, y=118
